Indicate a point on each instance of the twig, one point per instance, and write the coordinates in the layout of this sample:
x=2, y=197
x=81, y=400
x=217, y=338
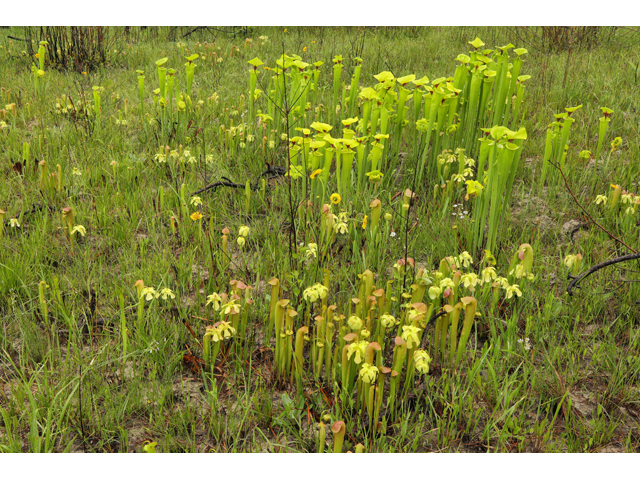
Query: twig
x=272, y=171
x=434, y=317
x=218, y=184
x=585, y=211
x=576, y=280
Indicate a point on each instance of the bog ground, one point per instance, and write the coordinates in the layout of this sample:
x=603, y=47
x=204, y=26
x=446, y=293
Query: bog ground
x=297, y=239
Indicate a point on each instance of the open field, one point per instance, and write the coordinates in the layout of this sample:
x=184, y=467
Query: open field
x=319, y=239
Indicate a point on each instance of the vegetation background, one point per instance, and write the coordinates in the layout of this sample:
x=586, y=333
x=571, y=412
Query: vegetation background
x=67, y=383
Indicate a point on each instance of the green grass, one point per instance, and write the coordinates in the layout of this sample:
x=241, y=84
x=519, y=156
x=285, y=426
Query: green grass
x=68, y=383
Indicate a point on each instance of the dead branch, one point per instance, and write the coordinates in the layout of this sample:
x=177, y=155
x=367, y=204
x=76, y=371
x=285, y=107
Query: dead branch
x=576, y=280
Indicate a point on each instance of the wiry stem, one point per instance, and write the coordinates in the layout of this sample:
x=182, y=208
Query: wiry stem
x=587, y=213
x=576, y=280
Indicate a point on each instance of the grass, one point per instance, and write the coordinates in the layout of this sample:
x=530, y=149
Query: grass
x=544, y=372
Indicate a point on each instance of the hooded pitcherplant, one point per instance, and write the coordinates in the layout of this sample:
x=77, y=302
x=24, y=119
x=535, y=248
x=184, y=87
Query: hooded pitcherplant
x=97, y=108
x=512, y=80
x=418, y=93
x=38, y=73
x=162, y=76
x=170, y=88
x=253, y=80
x=141, y=89
x=338, y=429
x=190, y=71
x=502, y=154
x=401, y=113
x=43, y=302
x=602, y=131
x=573, y=263
x=355, y=80
x=42, y=52
x=337, y=70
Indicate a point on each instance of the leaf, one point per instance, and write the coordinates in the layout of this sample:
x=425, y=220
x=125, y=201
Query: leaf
x=477, y=43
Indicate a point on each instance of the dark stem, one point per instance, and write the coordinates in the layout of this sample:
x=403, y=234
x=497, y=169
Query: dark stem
x=566, y=184
x=576, y=280
x=432, y=319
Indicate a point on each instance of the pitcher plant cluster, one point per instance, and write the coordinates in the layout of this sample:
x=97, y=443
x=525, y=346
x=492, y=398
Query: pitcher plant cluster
x=382, y=337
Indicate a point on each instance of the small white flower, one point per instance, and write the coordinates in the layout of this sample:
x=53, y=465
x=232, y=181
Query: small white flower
x=392, y=234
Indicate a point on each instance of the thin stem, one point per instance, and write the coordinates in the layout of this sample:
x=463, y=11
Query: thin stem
x=576, y=280
x=585, y=211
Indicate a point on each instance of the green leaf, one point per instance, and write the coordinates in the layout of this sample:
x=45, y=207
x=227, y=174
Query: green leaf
x=368, y=93
x=477, y=43
x=570, y=110
x=498, y=132
x=406, y=79
x=349, y=121
x=506, y=48
x=300, y=64
x=384, y=77
x=321, y=127
x=519, y=135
